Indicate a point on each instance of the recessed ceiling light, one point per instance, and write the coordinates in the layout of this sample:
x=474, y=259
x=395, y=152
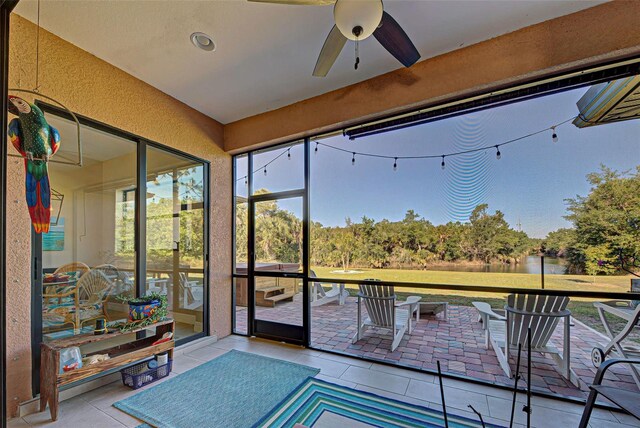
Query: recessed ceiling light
x=202, y=41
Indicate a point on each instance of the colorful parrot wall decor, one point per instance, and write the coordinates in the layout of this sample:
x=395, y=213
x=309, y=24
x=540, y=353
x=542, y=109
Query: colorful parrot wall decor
x=36, y=141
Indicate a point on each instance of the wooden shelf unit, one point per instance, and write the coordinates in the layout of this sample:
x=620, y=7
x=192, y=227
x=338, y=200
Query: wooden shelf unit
x=51, y=380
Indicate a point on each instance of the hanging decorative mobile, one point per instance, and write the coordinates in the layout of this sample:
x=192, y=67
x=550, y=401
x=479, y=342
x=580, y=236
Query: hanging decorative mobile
x=37, y=142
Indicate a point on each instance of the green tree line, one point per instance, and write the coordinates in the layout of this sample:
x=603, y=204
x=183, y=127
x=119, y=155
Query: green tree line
x=606, y=224
x=412, y=242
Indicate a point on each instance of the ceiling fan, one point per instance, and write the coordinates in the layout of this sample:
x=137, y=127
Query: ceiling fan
x=356, y=20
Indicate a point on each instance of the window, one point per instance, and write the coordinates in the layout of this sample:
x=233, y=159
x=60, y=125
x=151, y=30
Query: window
x=489, y=216
x=94, y=238
x=534, y=194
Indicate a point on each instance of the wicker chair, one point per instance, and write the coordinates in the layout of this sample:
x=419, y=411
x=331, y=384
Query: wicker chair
x=109, y=270
x=79, y=267
x=86, y=301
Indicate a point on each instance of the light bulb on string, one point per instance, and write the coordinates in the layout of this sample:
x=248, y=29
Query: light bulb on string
x=498, y=154
x=316, y=149
x=353, y=158
x=442, y=164
x=554, y=136
x=245, y=180
x=265, y=170
x=289, y=154
x=395, y=164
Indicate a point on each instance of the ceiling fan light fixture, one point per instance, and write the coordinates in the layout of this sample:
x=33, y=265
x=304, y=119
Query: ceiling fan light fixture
x=351, y=14
x=203, y=41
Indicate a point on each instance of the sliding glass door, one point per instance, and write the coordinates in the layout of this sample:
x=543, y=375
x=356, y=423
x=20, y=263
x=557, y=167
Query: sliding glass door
x=129, y=220
x=87, y=260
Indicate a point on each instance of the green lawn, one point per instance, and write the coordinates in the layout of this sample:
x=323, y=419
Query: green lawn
x=581, y=308
x=514, y=280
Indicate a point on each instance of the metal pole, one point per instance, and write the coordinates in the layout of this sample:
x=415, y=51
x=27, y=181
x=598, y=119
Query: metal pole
x=515, y=386
x=306, y=245
x=529, y=378
x=444, y=406
x=542, y=271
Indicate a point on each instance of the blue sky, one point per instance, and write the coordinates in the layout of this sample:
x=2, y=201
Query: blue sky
x=528, y=184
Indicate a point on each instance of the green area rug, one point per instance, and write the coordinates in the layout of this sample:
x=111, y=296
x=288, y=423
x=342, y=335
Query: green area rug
x=233, y=390
x=326, y=404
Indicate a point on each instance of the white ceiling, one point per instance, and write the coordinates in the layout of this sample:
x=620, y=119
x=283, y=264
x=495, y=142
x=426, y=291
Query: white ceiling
x=265, y=53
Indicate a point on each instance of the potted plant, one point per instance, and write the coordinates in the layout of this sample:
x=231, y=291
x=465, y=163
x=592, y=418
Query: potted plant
x=141, y=308
x=144, y=311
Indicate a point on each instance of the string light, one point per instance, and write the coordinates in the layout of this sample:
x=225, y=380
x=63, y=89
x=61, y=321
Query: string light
x=554, y=137
x=246, y=181
x=264, y=167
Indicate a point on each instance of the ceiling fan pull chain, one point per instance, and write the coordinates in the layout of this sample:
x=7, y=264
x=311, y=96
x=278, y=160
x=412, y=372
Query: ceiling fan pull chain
x=357, y=55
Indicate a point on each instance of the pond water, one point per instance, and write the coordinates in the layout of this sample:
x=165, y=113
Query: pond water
x=529, y=264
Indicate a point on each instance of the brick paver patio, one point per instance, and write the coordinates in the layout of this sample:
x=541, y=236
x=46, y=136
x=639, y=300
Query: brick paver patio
x=457, y=342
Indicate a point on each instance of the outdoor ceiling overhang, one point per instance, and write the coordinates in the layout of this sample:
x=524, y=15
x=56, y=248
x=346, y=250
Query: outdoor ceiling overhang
x=609, y=102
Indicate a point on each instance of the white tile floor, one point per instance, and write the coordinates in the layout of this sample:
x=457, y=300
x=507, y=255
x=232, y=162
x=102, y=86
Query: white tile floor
x=94, y=409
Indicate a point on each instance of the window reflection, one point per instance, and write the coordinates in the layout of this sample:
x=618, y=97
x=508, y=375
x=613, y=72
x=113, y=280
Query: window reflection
x=175, y=237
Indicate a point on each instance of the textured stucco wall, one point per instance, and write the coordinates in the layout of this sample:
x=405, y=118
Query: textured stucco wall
x=96, y=89
x=601, y=33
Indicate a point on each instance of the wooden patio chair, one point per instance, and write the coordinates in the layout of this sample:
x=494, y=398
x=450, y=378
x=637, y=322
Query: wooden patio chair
x=186, y=287
x=542, y=314
x=320, y=296
x=383, y=312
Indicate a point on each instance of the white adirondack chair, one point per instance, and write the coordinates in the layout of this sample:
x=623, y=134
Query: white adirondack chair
x=383, y=312
x=320, y=296
x=542, y=314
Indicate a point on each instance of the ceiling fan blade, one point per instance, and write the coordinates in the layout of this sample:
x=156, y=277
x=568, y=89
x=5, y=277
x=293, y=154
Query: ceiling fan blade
x=329, y=53
x=298, y=2
x=393, y=38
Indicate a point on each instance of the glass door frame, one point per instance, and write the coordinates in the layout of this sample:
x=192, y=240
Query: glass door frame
x=140, y=244
x=299, y=335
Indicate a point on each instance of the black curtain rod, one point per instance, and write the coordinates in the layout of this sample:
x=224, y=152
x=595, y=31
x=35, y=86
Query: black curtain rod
x=584, y=79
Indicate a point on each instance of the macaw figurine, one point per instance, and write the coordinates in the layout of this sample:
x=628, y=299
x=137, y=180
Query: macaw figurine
x=36, y=141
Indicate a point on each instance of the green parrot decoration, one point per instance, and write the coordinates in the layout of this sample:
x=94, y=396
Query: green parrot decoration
x=36, y=141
